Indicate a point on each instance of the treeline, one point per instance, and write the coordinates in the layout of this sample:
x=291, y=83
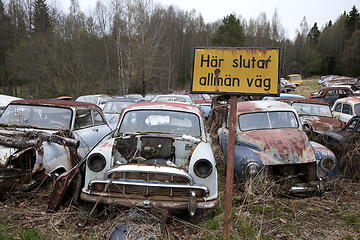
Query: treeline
x=139, y=46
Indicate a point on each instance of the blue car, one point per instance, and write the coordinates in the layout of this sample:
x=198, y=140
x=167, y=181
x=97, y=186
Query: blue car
x=270, y=144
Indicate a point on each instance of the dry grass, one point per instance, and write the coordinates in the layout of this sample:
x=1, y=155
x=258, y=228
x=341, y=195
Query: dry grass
x=257, y=213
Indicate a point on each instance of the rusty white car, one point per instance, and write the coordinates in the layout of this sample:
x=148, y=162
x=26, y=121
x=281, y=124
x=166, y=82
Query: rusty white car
x=159, y=157
x=270, y=144
x=40, y=138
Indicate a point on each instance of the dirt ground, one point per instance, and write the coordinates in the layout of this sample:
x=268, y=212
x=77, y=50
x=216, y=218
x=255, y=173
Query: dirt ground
x=257, y=213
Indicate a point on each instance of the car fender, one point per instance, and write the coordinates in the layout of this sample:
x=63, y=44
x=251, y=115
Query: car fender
x=243, y=156
x=321, y=153
x=204, y=151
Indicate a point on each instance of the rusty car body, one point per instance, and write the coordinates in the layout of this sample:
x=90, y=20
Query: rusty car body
x=314, y=115
x=39, y=138
x=331, y=94
x=159, y=157
x=346, y=108
x=342, y=139
x=270, y=144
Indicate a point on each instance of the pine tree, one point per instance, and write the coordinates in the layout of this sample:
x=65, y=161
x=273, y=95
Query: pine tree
x=230, y=33
x=42, y=23
x=352, y=22
x=314, y=34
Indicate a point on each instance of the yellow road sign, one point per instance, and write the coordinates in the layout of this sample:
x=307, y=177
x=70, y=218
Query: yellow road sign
x=243, y=71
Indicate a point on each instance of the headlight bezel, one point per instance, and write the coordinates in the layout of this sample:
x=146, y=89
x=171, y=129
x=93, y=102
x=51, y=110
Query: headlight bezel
x=96, y=157
x=203, y=168
x=325, y=164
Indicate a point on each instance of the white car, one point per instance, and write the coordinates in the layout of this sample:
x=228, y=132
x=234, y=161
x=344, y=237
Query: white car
x=345, y=108
x=159, y=157
x=39, y=138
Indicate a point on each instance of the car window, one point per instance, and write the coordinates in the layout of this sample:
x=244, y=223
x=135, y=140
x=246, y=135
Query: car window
x=338, y=107
x=357, y=109
x=83, y=118
x=331, y=93
x=98, y=119
x=267, y=120
x=347, y=109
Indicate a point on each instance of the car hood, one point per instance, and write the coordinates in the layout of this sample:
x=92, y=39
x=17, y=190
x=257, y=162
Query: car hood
x=279, y=146
x=326, y=124
x=15, y=141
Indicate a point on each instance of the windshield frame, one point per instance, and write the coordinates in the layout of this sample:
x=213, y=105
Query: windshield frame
x=37, y=110
x=269, y=122
x=120, y=130
x=302, y=113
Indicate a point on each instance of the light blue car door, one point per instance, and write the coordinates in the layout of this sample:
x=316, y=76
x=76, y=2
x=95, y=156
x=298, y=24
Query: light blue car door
x=89, y=128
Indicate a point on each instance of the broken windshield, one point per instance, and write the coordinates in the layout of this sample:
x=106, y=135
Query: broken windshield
x=169, y=122
x=43, y=117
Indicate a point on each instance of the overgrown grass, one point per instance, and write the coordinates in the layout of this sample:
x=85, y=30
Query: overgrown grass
x=310, y=85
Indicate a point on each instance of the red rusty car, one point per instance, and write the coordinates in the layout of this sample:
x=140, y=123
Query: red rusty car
x=331, y=94
x=314, y=115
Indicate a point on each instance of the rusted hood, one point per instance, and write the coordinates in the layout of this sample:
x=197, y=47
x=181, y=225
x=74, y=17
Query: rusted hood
x=326, y=124
x=279, y=146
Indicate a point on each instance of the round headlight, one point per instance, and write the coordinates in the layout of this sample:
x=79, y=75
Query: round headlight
x=203, y=168
x=96, y=162
x=328, y=164
x=252, y=169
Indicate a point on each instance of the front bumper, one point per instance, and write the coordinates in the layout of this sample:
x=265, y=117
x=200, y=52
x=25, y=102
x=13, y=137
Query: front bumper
x=148, y=187
x=312, y=187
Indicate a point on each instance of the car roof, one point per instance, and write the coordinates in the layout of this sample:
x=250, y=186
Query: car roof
x=348, y=100
x=122, y=100
x=335, y=87
x=263, y=106
x=290, y=95
x=303, y=100
x=53, y=102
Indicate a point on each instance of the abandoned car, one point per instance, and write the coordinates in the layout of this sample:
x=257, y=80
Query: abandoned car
x=113, y=108
x=331, y=94
x=346, y=108
x=160, y=156
x=270, y=144
x=342, y=139
x=39, y=138
x=314, y=115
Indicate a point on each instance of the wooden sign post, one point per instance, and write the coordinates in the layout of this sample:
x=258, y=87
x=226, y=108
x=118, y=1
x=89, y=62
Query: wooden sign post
x=235, y=71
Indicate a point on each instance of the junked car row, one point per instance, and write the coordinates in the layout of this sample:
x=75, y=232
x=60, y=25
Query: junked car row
x=158, y=153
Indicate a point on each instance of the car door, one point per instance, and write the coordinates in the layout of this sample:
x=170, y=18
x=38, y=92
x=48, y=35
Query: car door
x=331, y=96
x=89, y=128
x=336, y=110
x=346, y=113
